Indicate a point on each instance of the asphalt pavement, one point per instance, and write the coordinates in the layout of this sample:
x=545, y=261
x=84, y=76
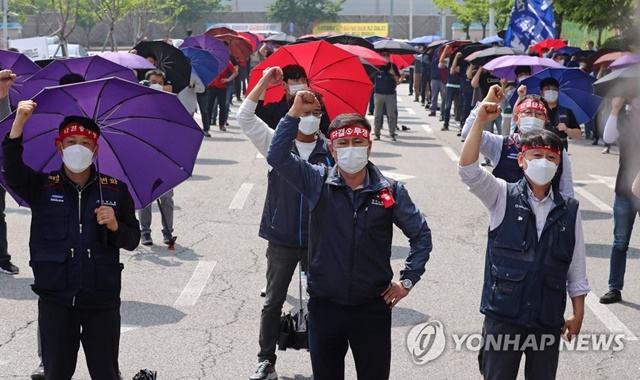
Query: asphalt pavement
x=193, y=313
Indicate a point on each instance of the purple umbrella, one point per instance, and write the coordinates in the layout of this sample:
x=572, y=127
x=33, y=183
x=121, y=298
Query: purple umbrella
x=90, y=68
x=129, y=60
x=504, y=67
x=22, y=66
x=213, y=45
x=625, y=61
x=148, y=139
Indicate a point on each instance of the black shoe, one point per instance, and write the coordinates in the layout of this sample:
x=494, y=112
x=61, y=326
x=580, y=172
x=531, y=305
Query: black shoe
x=377, y=136
x=263, y=292
x=444, y=128
x=612, y=296
x=145, y=239
x=8, y=268
x=432, y=114
x=405, y=128
x=168, y=239
x=222, y=128
x=38, y=373
x=370, y=113
x=441, y=118
x=595, y=142
x=207, y=134
x=393, y=138
x=265, y=371
x=459, y=133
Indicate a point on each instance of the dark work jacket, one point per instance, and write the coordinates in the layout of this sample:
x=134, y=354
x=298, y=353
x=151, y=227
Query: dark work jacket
x=285, y=217
x=525, y=277
x=74, y=260
x=271, y=113
x=508, y=168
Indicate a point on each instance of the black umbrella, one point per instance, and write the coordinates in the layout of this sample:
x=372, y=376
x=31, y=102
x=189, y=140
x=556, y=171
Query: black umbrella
x=624, y=82
x=394, y=47
x=468, y=49
x=170, y=60
x=293, y=327
x=280, y=38
x=368, y=67
x=347, y=39
x=482, y=57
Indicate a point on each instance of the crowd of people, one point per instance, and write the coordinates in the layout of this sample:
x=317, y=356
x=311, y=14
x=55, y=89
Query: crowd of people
x=331, y=211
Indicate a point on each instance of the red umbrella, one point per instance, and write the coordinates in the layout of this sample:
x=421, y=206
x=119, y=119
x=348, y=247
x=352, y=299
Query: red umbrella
x=608, y=58
x=252, y=38
x=239, y=46
x=337, y=74
x=214, y=31
x=369, y=55
x=402, y=60
x=548, y=44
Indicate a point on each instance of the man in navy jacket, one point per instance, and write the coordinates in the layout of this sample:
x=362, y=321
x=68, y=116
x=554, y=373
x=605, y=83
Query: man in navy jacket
x=353, y=210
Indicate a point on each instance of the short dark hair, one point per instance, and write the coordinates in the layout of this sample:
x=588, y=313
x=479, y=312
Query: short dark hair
x=318, y=95
x=149, y=55
x=13, y=50
x=86, y=122
x=542, y=137
x=522, y=69
x=155, y=72
x=293, y=72
x=345, y=119
x=549, y=81
x=71, y=78
x=536, y=98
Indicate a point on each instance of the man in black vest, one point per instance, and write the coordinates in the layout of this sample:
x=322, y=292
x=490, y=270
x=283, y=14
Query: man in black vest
x=535, y=256
x=80, y=220
x=385, y=83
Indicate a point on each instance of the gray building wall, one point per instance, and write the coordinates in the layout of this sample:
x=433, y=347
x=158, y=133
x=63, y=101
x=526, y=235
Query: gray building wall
x=350, y=7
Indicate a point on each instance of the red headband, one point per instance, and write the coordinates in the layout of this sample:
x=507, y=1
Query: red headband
x=550, y=149
x=349, y=131
x=77, y=129
x=531, y=103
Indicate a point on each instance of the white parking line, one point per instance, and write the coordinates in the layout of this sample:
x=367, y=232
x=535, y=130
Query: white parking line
x=259, y=155
x=609, y=181
x=241, y=196
x=410, y=111
x=593, y=199
x=451, y=153
x=607, y=317
x=194, y=288
x=427, y=128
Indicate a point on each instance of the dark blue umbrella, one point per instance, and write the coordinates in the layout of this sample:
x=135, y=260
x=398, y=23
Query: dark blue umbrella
x=148, y=139
x=205, y=65
x=425, y=40
x=373, y=39
x=567, y=50
x=575, y=91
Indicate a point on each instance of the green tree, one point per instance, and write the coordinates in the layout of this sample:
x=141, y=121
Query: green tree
x=599, y=15
x=195, y=10
x=87, y=20
x=167, y=13
x=304, y=12
x=112, y=11
x=467, y=12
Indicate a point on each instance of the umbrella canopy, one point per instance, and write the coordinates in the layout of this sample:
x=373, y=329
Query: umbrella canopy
x=402, y=60
x=148, y=139
x=594, y=57
x=548, y=44
x=20, y=65
x=239, y=47
x=608, y=58
x=425, y=40
x=437, y=43
x=131, y=61
x=480, y=58
x=214, y=31
x=568, y=50
x=625, y=61
x=504, y=67
x=468, y=49
x=371, y=56
x=368, y=67
x=347, y=39
x=454, y=45
x=214, y=46
x=623, y=82
x=394, y=47
x=575, y=91
x=281, y=39
x=170, y=60
x=90, y=68
x=204, y=64
x=253, y=40
x=337, y=74
x=492, y=40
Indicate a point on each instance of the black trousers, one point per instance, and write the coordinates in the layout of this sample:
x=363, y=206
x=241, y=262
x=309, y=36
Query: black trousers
x=203, y=105
x=4, y=254
x=218, y=96
x=503, y=364
x=366, y=328
x=62, y=328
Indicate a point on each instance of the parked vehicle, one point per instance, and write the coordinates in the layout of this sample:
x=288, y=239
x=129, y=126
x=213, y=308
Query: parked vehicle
x=73, y=50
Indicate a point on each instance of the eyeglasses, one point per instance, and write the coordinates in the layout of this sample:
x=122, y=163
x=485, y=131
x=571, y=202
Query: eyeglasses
x=314, y=113
x=537, y=114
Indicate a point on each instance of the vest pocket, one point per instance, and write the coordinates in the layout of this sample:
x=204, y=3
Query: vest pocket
x=49, y=270
x=506, y=290
x=108, y=273
x=554, y=301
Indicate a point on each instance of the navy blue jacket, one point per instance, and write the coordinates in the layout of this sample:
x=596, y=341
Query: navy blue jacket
x=285, y=217
x=350, y=233
x=525, y=277
x=75, y=261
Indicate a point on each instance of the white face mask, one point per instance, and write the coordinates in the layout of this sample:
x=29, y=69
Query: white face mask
x=540, y=171
x=353, y=158
x=561, y=61
x=309, y=124
x=550, y=96
x=522, y=77
x=529, y=124
x=77, y=158
x=293, y=88
x=156, y=86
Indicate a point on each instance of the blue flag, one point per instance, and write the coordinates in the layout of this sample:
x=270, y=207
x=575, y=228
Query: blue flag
x=531, y=21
